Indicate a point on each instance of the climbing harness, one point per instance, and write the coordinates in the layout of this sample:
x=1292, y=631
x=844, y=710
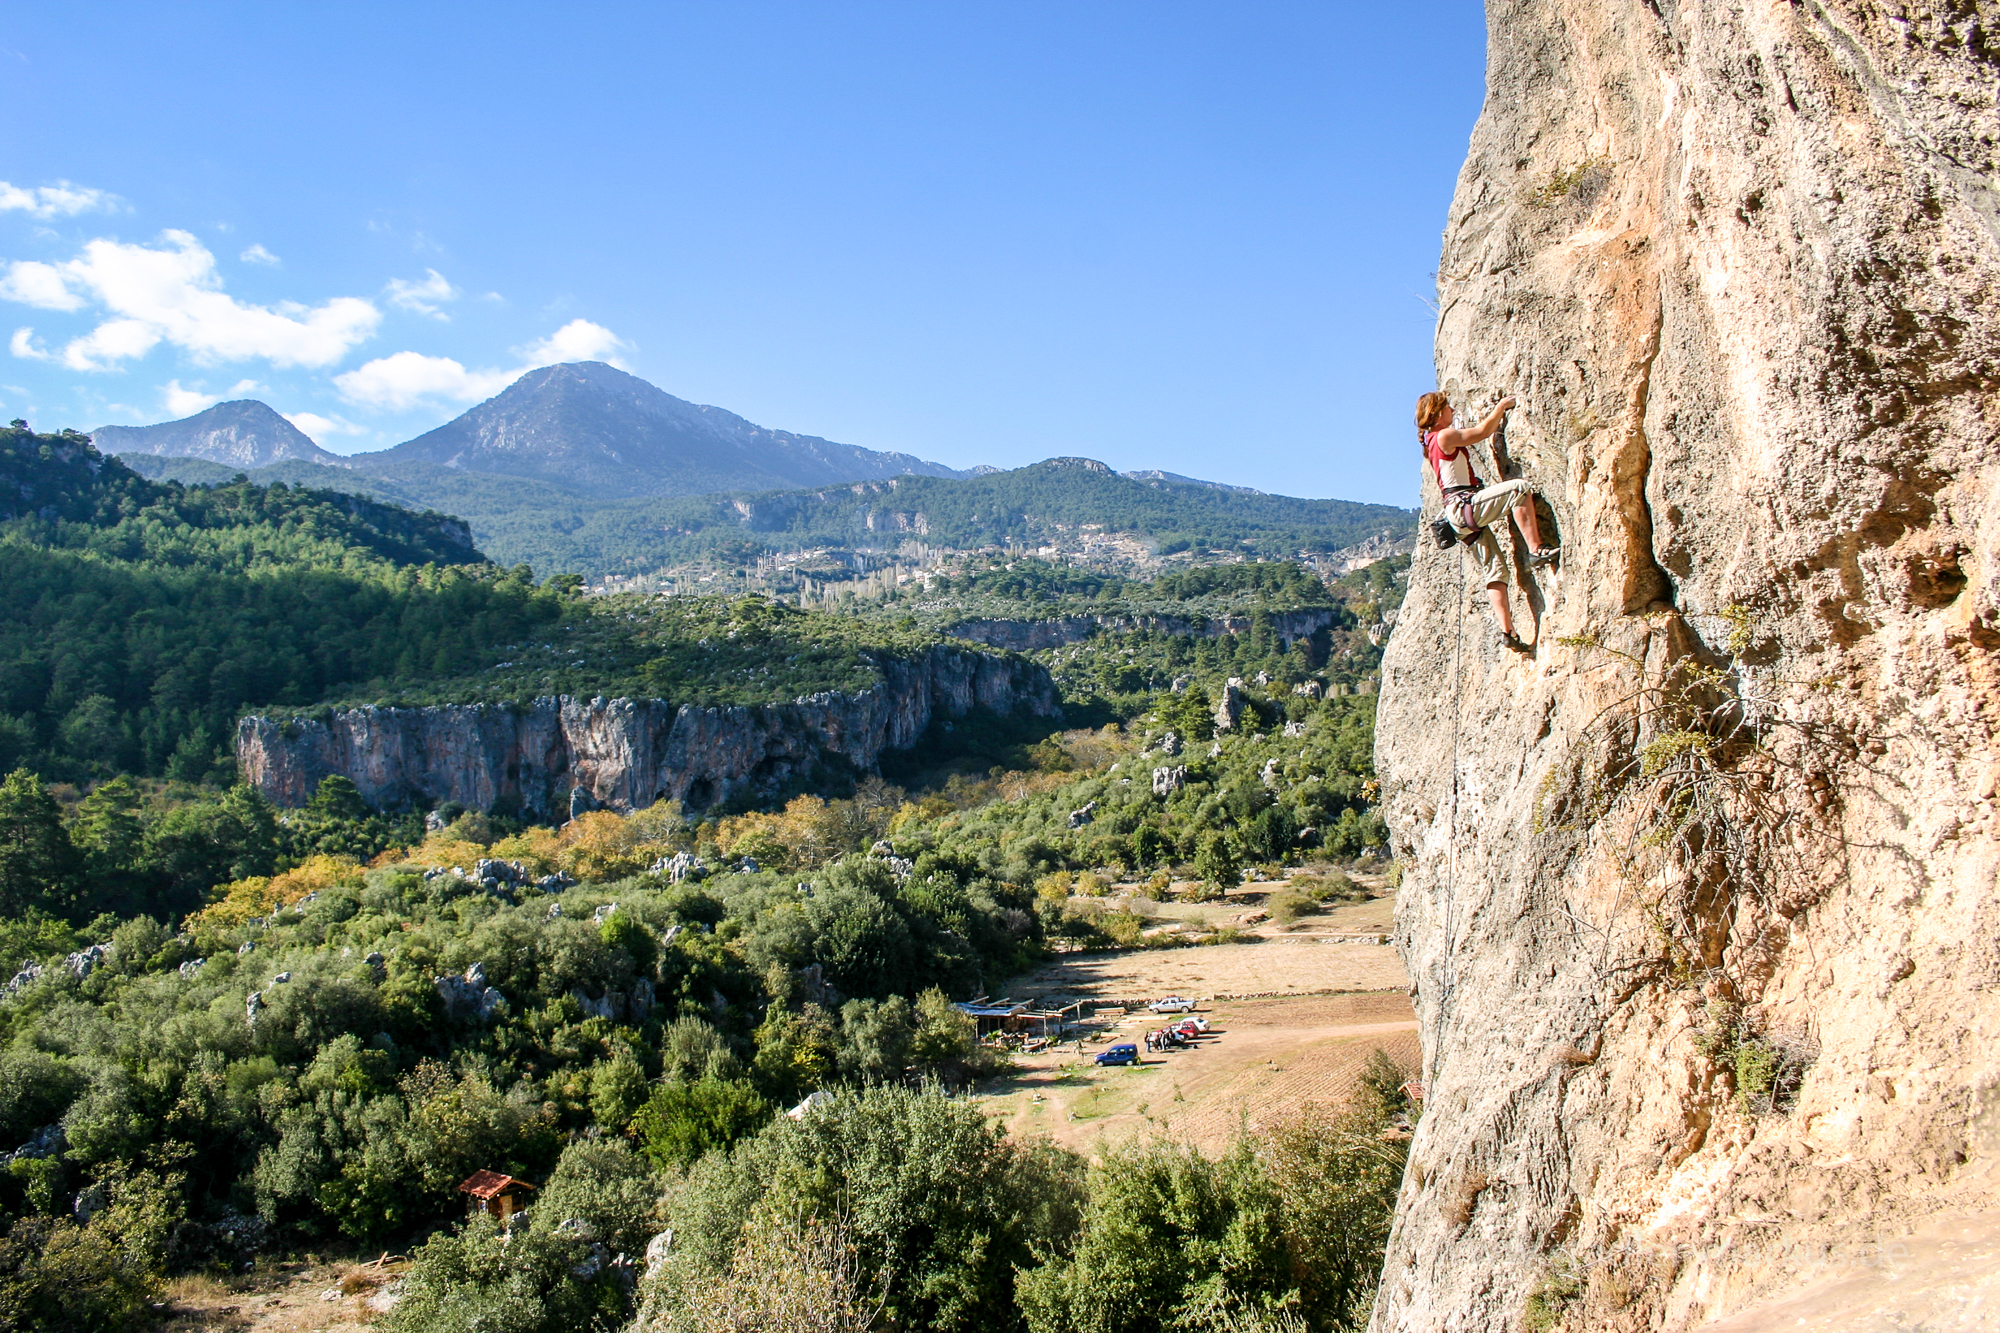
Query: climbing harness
x=1457, y=525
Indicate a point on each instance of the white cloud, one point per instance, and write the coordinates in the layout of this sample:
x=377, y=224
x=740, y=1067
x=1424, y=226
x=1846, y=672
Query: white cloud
x=423, y=297
x=59, y=200
x=186, y=402
x=405, y=379
x=578, y=340
x=182, y=402
x=408, y=378
x=319, y=427
x=171, y=293
x=23, y=346
x=112, y=341
x=257, y=254
x=32, y=283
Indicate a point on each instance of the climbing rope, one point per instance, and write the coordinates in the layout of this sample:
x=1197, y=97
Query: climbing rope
x=1451, y=829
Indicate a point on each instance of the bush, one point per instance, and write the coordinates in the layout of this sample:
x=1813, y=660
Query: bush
x=483, y=1280
x=1288, y=905
x=1336, y=1175
x=606, y=1186
x=682, y=1122
x=942, y=1207
x=1215, y=863
x=786, y=1276
x=1288, y=1230
x=57, y=1277
x=1168, y=1237
x=617, y=1091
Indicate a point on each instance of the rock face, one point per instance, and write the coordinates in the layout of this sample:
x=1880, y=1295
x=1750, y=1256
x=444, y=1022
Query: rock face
x=625, y=753
x=1702, y=918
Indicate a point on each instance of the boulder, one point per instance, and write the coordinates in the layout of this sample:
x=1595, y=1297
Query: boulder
x=1229, y=707
x=468, y=998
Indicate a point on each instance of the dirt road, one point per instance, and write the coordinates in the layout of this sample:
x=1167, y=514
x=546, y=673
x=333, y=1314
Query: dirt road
x=1276, y=964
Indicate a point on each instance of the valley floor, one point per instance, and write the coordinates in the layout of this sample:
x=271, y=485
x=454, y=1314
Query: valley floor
x=1328, y=991
x=1322, y=1006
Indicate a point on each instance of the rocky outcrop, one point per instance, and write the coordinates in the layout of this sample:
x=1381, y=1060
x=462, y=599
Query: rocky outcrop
x=626, y=753
x=1699, y=898
x=244, y=434
x=1027, y=636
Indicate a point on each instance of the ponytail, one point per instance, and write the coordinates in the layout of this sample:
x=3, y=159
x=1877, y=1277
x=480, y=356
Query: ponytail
x=1428, y=408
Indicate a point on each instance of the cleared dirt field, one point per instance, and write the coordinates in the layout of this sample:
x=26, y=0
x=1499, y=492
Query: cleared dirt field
x=1262, y=1059
x=333, y=1296
x=1218, y=969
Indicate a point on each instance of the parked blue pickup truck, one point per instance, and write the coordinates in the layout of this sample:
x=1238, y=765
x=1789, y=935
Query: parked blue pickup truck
x=1123, y=1054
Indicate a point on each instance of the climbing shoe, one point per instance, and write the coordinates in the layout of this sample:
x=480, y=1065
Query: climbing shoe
x=1517, y=644
x=1548, y=555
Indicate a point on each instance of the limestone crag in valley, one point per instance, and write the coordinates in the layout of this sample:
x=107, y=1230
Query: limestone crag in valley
x=627, y=753
x=1699, y=899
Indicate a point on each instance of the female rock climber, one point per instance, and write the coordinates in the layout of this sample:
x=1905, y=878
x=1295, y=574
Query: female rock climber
x=1473, y=507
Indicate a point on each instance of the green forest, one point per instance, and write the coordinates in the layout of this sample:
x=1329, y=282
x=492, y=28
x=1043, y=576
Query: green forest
x=232, y=1033
x=137, y=617
x=525, y=521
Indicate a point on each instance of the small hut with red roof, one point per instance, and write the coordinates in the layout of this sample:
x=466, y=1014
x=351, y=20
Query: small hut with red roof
x=496, y=1194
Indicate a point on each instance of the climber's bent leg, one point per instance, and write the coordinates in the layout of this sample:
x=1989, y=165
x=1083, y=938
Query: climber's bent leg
x=1490, y=506
x=1497, y=594
x=1493, y=572
x=1524, y=515
x=1516, y=497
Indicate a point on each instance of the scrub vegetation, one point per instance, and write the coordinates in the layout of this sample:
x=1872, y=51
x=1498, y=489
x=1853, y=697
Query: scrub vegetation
x=229, y=1030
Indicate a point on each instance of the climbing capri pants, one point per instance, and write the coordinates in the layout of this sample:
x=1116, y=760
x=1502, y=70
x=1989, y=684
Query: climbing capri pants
x=1489, y=507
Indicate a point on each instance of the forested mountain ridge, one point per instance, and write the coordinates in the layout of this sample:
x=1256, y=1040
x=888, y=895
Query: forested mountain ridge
x=1057, y=500
x=61, y=491
x=137, y=617
x=1028, y=503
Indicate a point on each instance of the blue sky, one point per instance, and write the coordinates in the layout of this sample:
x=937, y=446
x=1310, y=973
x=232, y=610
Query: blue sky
x=1193, y=237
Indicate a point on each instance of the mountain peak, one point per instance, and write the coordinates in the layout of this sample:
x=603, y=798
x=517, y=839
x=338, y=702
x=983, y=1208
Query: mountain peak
x=592, y=428
x=243, y=433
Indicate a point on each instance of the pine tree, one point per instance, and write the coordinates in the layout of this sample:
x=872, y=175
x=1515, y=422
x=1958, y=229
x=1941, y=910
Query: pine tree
x=38, y=863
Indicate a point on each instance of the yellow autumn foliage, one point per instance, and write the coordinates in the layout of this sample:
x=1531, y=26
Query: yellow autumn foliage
x=596, y=846
x=261, y=895
x=603, y=844
x=806, y=834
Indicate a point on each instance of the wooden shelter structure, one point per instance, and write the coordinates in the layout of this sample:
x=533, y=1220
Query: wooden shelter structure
x=500, y=1196
x=990, y=1016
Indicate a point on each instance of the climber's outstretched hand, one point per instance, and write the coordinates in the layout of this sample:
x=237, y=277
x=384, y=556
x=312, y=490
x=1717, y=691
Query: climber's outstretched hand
x=1494, y=420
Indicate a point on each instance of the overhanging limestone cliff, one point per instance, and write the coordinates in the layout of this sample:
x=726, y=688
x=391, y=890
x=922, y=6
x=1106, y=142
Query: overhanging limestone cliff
x=626, y=753
x=1739, y=265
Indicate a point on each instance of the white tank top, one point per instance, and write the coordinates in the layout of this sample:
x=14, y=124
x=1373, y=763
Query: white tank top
x=1452, y=469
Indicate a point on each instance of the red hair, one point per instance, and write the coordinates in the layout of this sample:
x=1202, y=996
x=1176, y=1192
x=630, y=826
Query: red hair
x=1429, y=408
